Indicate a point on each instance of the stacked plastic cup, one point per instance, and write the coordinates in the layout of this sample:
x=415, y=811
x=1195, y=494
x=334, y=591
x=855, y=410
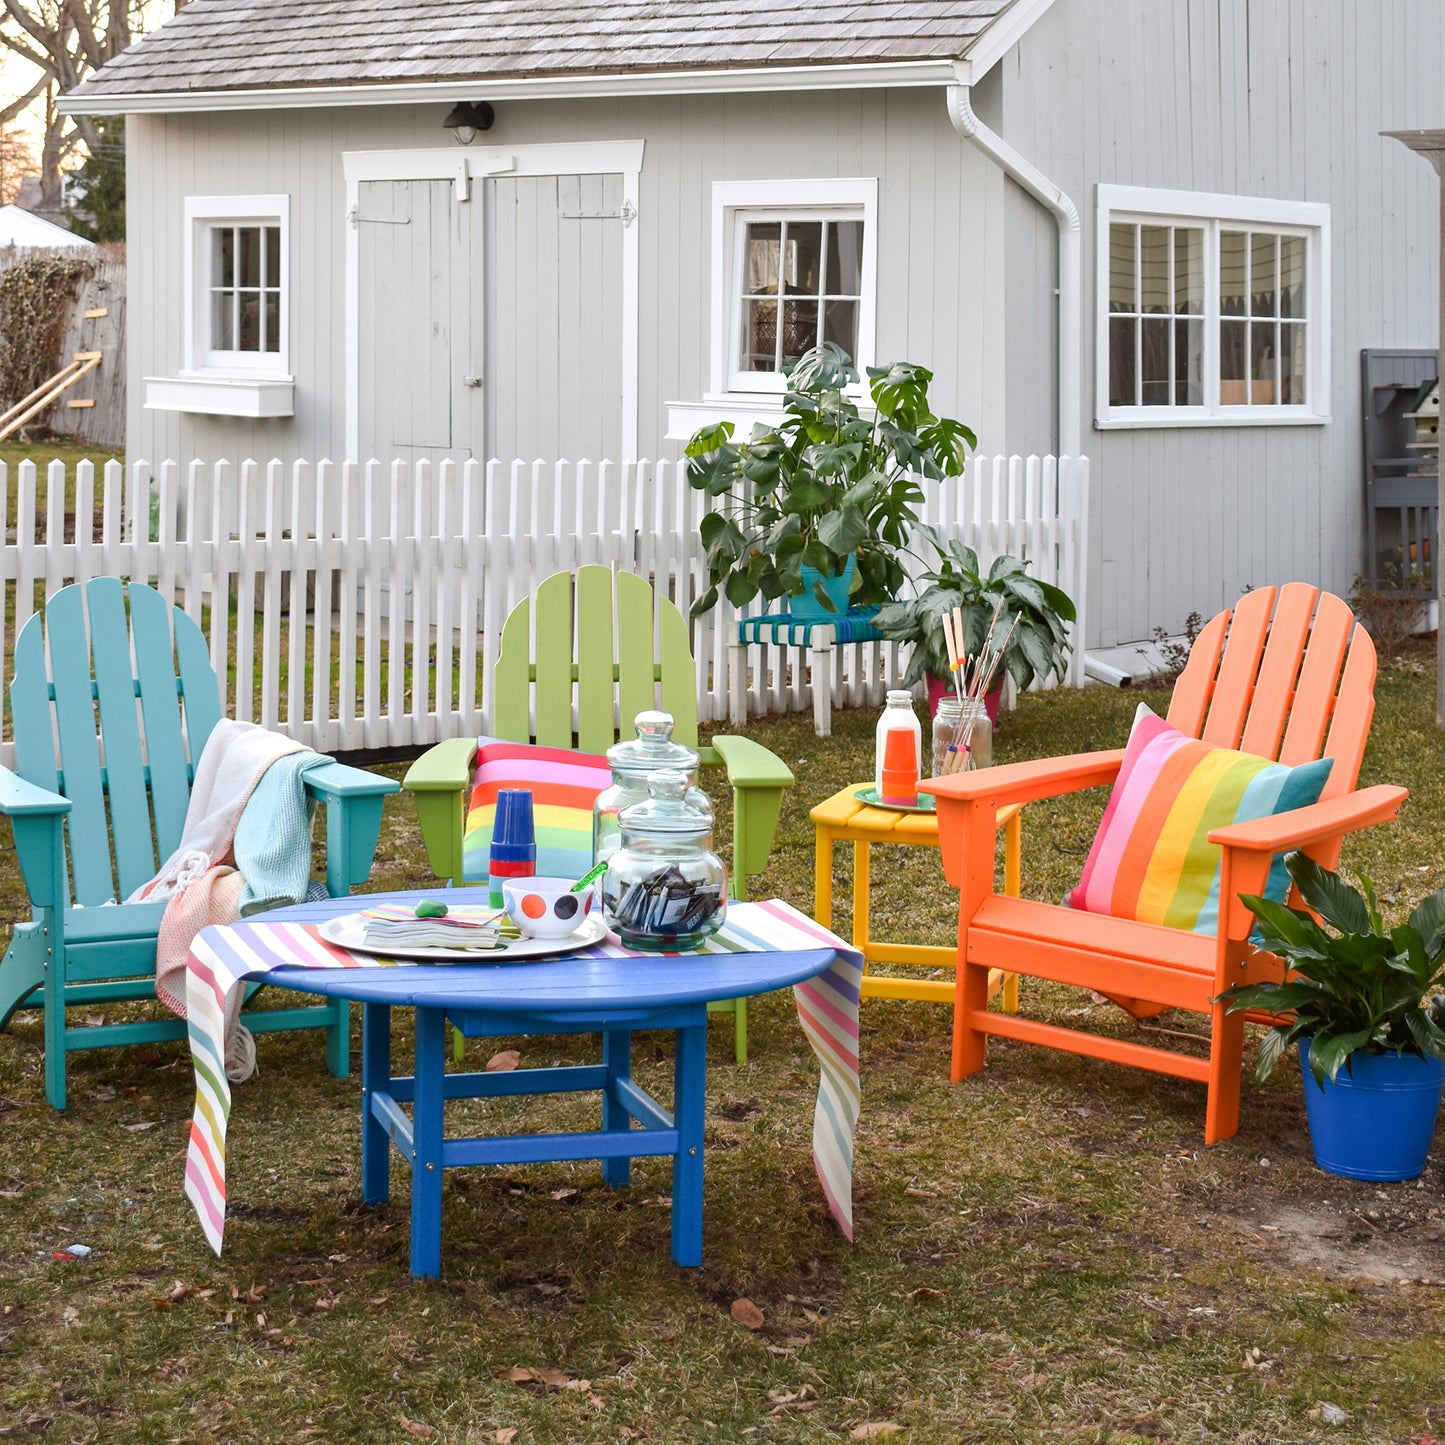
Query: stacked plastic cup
x=514, y=841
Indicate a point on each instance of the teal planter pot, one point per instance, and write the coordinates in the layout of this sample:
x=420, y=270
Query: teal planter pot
x=1377, y=1118
x=806, y=607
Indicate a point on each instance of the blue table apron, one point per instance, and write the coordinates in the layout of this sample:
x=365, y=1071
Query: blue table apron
x=583, y=994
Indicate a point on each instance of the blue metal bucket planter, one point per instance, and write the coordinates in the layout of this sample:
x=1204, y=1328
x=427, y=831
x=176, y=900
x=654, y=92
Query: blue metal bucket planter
x=1376, y=1119
x=806, y=607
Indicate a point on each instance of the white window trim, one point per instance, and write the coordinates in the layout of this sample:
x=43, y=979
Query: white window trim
x=1304, y=218
x=202, y=212
x=249, y=384
x=829, y=199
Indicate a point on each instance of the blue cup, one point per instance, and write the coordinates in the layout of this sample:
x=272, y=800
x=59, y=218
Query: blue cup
x=514, y=840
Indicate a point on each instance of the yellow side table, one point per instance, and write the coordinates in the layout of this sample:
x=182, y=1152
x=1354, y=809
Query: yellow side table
x=844, y=819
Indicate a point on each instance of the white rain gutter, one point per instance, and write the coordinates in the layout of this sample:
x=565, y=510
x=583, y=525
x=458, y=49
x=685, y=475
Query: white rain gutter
x=1070, y=294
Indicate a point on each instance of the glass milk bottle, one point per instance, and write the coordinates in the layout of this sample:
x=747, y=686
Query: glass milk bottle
x=898, y=754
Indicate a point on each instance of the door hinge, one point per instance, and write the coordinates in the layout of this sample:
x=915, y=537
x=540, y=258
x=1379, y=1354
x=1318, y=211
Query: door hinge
x=627, y=214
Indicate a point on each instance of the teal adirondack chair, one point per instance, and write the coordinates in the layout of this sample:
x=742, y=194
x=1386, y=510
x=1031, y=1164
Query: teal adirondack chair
x=569, y=656
x=101, y=717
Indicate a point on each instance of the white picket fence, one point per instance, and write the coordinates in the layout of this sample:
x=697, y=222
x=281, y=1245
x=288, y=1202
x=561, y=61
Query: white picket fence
x=406, y=572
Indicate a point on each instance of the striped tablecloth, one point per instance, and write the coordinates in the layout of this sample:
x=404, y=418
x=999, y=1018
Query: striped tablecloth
x=222, y=957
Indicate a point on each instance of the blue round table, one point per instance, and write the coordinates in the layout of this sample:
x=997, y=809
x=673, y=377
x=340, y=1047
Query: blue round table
x=565, y=995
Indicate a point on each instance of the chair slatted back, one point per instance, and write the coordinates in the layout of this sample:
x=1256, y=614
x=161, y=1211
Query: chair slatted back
x=1287, y=675
x=609, y=635
x=105, y=674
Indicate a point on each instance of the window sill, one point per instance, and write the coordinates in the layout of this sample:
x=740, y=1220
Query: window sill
x=743, y=409
x=1242, y=418
x=222, y=395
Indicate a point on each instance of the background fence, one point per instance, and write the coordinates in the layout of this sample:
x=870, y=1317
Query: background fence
x=364, y=603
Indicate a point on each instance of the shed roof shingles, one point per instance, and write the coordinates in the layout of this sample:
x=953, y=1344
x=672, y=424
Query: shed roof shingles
x=253, y=44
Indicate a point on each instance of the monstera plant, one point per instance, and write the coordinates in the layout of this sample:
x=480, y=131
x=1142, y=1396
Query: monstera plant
x=826, y=493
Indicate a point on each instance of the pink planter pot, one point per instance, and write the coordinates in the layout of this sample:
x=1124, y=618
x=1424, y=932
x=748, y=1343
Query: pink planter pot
x=937, y=688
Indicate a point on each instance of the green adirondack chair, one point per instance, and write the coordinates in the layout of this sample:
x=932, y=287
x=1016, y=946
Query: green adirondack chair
x=101, y=714
x=578, y=631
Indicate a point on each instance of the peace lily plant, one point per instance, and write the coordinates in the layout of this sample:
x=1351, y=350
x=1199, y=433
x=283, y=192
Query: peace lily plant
x=824, y=488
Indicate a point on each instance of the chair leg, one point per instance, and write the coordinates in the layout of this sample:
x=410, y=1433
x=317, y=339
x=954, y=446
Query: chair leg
x=22, y=972
x=970, y=997
x=338, y=1039
x=55, y=1033
x=740, y=1030
x=1226, y=1064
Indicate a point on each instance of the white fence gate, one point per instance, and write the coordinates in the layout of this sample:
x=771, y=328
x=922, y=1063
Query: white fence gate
x=340, y=545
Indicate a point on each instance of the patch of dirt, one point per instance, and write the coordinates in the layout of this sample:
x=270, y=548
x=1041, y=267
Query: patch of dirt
x=1384, y=1237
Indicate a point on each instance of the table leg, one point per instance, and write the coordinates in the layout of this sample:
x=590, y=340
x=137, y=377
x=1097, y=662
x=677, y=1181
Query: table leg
x=375, y=1078
x=823, y=876
x=822, y=660
x=617, y=1060
x=688, y=1105
x=426, y=1164
x=861, y=881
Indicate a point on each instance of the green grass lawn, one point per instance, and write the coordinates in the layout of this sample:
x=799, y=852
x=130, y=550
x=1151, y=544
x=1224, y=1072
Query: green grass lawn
x=1046, y=1251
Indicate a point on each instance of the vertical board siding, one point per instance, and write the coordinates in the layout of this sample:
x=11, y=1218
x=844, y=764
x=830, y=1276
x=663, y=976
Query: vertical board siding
x=376, y=593
x=1282, y=99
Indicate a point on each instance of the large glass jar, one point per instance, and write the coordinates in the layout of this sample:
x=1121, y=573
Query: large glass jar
x=664, y=887
x=962, y=736
x=632, y=761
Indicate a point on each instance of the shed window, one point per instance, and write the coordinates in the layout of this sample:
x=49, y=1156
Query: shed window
x=238, y=284
x=802, y=284
x=793, y=266
x=1213, y=309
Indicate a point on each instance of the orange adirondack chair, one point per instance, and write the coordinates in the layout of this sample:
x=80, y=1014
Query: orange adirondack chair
x=1287, y=676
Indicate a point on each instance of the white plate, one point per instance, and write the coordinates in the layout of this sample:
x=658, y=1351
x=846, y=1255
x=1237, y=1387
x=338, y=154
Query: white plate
x=348, y=931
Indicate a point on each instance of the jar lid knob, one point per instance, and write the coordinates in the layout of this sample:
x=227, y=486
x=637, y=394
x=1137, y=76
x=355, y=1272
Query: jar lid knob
x=654, y=724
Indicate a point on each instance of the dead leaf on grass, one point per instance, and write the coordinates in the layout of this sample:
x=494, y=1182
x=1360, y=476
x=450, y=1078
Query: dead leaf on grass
x=549, y=1377
x=70, y=1315
x=503, y=1062
x=924, y=1292
x=417, y=1428
x=871, y=1429
x=505, y=1435
x=562, y=1194
x=140, y=1128
x=746, y=1313
x=178, y=1291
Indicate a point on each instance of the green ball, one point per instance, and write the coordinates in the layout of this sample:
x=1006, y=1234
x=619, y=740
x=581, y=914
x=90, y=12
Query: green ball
x=430, y=908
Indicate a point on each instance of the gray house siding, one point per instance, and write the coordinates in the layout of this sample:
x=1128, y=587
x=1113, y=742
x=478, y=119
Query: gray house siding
x=1281, y=99
x=941, y=241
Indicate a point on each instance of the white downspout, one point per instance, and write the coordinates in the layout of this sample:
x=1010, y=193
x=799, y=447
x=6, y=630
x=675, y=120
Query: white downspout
x=1070, y=314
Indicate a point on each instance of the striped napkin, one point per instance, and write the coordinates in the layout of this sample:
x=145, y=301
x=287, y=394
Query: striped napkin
x=221, y=957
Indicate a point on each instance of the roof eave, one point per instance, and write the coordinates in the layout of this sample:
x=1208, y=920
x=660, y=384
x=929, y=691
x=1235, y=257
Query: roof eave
x=864, y=76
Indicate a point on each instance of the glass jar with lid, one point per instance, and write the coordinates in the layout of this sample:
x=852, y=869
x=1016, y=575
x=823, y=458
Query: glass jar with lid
x=962, y=735
x=664, y=887
x=632, y=761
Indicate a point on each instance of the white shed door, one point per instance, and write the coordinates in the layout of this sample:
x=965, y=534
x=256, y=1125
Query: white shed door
x=419, y=387
x=554, y=316
x=491, y=327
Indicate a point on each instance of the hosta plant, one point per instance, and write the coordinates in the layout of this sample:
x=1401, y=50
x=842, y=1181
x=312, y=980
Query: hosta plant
x=1354, y=985
x=824, y=484
x=1039, y=647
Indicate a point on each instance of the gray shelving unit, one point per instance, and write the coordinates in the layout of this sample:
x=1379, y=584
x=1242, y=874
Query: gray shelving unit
x=1402, y=525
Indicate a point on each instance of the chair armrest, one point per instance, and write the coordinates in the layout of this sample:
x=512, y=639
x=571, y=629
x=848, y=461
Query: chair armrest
x=1027, y=782
x=37, y=817
x=440, y=780
x=353, y=800
x=1250, y=848
x=758, y=778
x=19, y=798
x=1316, y=823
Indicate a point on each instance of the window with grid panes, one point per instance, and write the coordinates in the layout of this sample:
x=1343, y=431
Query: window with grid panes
x=239, y=283
x=1211, y=316
x=800, y=283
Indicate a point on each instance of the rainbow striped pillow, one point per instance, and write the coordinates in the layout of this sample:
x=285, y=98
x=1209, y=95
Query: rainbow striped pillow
x=1152, y=859
x=564, y=786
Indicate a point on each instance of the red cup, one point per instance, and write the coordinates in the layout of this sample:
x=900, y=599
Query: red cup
x=900, y=769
